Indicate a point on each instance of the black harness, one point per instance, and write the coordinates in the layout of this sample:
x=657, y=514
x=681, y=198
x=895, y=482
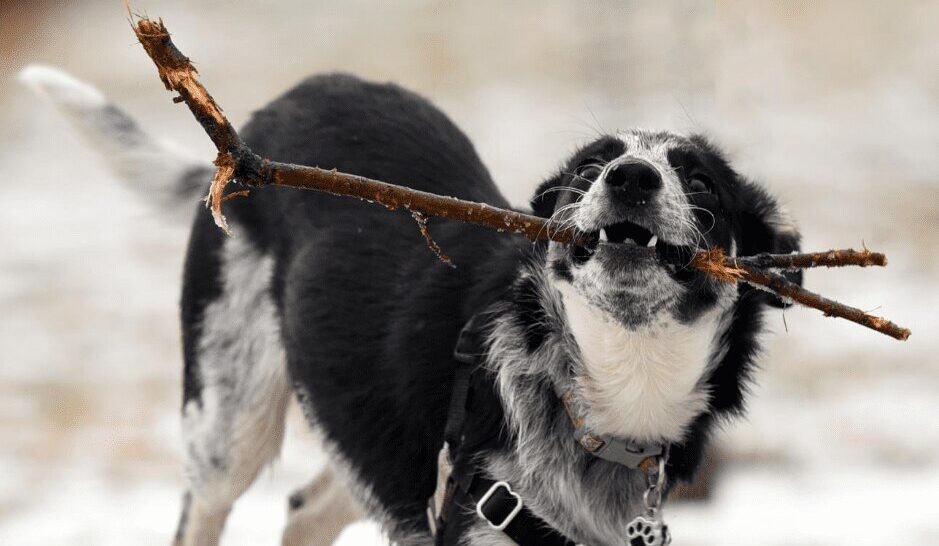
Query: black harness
x=468, y=489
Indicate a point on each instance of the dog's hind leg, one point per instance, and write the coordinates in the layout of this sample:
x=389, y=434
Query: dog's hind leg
x=319, y=511
x=236, y=392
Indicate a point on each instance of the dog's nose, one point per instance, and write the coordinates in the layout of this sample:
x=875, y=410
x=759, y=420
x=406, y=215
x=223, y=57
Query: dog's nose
x=634, y=182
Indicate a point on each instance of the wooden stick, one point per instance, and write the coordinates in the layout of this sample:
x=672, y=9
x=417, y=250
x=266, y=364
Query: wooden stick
x=829, y=258
x=237, y=161
x=731, y=270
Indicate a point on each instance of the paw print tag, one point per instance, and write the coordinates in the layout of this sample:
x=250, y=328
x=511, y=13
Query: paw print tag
x=648, y=530
x=644, y=531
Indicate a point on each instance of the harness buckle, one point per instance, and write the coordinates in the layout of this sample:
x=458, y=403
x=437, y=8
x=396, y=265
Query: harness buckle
x=480, y=506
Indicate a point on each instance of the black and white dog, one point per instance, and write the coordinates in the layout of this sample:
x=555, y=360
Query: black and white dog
x=342, y=303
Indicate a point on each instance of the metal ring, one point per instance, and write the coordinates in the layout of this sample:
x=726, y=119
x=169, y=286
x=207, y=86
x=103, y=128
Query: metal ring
x=657, y=499
x=660, y=479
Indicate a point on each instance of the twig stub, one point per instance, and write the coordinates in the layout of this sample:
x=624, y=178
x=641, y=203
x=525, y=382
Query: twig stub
x=225, y=170
x=425, y=231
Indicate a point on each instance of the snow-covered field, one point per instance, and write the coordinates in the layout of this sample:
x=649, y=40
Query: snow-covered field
x=834, y=106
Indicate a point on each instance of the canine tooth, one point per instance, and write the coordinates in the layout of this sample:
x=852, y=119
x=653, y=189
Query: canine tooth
x=652, y=241
x=603, y=235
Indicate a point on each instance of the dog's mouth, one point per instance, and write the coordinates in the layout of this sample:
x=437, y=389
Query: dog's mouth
x=627, y=235
x=636, y=243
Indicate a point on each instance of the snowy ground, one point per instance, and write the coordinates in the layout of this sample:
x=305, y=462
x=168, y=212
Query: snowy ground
x=840, y=445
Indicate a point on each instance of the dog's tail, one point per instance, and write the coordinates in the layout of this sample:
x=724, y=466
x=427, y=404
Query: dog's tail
x=155, y=169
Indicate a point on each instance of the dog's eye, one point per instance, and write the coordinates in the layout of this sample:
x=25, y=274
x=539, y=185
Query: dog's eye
x=700, y=183
x=589, y=172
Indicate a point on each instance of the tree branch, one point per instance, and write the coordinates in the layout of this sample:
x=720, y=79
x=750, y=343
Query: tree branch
x=237, y=161
x=425, y=231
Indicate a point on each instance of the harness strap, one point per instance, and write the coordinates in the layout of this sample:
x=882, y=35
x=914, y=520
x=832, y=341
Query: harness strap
x=467, y=352
x=502, y=508
x=465, y=488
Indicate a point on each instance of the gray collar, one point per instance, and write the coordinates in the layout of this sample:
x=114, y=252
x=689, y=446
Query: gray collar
x=626, y=452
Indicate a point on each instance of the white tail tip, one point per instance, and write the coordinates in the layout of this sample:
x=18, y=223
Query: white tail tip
x=61, y=88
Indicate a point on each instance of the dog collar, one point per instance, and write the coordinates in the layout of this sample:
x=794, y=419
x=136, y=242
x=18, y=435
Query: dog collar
x=628, y=453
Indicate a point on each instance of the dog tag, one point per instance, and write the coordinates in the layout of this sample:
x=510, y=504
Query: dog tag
x=648, y=530
x=645, y=531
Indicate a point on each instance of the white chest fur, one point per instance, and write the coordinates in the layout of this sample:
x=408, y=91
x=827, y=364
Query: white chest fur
x=645, y=383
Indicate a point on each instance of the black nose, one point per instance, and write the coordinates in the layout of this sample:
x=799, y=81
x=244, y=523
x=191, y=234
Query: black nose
x=634, y=182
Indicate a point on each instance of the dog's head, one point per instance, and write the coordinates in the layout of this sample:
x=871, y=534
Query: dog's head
x=659, y=344
x=649, y=200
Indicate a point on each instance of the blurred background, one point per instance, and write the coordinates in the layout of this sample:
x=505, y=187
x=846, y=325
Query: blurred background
x=833, y=105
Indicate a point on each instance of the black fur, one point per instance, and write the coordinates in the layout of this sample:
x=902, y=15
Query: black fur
x=202, y=280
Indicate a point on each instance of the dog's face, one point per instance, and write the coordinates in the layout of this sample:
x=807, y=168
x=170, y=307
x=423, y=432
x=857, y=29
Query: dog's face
x=647, y=196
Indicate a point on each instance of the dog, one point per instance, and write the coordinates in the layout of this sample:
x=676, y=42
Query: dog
x=342, y=304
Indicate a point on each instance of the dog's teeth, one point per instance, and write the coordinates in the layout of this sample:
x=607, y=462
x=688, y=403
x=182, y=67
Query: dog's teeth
x=652, y=241
x=603, y=235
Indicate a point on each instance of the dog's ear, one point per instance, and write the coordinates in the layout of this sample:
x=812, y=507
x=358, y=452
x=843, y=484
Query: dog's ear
x=766, y=227
x=546, y=196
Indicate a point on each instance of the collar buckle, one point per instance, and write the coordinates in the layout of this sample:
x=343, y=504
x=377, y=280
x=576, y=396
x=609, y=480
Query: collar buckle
x=626, y=452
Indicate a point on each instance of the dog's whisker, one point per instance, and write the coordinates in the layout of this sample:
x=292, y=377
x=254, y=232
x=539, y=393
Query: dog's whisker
x=563, y=188
x=553, y=219
x=704, y=210
x=578, y=176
